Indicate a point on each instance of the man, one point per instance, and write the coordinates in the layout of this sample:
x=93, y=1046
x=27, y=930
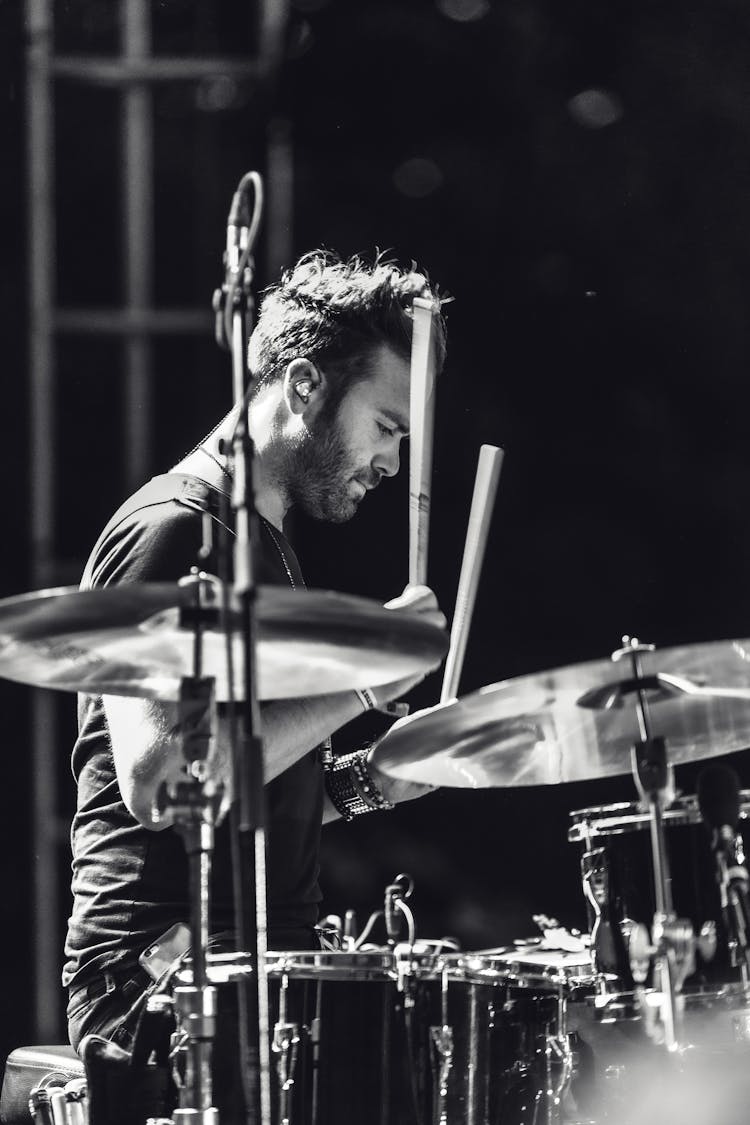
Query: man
x=330, y=361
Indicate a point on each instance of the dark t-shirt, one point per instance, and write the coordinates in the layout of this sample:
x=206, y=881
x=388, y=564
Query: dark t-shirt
x=130, y=884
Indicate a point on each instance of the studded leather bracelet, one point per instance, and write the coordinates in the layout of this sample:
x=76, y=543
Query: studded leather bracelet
x=350, y=786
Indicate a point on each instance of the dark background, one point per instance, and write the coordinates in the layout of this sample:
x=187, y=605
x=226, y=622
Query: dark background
x=576, y=175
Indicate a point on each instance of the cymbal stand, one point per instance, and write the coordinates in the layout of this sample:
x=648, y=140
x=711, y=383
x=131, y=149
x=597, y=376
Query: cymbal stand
x=672, y=947
x=192, y=805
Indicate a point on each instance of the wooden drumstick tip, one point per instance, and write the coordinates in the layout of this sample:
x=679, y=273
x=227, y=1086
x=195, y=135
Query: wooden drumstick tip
x=483, y=498
x=421, y=416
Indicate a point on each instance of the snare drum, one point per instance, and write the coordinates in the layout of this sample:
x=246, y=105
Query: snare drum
x=410, y=1036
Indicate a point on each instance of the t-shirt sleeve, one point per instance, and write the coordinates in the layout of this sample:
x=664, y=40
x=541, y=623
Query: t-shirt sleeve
x=157, y=544
x=160, y=542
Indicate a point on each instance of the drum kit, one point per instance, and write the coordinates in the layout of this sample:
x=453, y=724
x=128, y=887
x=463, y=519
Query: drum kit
x=559, y=1030
x=604, y=1028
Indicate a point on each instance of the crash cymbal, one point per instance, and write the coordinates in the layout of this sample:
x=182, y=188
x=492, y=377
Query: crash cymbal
x=577, y=722
x=128, y=640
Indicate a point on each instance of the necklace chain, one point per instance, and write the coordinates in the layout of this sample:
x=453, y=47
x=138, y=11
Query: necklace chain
x=277, y=544
x=216, y=461
x=268, y=526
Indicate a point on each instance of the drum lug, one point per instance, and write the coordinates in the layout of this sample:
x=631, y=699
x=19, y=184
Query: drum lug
x=441, y=1038
x=285, y=1045
x=559, y=1063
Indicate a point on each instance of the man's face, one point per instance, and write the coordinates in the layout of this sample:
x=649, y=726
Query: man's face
x=346, y=455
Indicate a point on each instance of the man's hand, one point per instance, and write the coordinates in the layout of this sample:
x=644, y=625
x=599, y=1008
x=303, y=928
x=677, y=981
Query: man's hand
x=395, y=789
x=414, y=599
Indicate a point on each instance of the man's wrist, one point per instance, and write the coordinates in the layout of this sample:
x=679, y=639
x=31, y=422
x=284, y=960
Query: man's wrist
x=367, y=698
x=351, y=787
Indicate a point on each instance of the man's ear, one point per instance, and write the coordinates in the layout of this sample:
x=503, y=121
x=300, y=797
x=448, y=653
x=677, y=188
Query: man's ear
x=304, y=386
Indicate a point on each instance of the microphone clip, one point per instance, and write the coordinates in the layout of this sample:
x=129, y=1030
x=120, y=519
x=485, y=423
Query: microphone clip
x=235, y=294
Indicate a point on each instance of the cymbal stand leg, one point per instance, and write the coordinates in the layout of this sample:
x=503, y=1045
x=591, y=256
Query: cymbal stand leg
x=196, y=1003
x=192, y=805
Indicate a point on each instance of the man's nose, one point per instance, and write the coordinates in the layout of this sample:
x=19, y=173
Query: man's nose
x=387, y=462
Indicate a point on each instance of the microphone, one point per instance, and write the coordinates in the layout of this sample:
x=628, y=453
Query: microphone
x=719, y=804
x=238, y=229
x=243, y=224
x=719, y=801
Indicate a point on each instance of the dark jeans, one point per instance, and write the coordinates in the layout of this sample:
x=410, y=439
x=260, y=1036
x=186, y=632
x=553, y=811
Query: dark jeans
x=116, y=1012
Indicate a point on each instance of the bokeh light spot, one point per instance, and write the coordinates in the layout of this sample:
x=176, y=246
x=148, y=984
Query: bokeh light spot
x=595, y=109
x=417, y=177
x=463, y=11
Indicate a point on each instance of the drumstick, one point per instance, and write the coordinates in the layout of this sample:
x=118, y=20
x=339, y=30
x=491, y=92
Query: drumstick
x=421, y=416
x=485, y=486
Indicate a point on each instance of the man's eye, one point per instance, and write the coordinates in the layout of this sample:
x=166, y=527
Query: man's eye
x=385, y=430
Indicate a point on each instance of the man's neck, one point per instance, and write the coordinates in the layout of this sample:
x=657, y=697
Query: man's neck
x=271, y=500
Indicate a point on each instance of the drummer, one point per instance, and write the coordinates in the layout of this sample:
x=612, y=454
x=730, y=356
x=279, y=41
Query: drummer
x=330, y=407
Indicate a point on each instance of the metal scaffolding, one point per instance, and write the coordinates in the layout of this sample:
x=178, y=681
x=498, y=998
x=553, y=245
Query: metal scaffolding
x=133, y=72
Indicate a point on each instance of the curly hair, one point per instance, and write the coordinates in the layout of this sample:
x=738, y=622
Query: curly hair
x=335, y=311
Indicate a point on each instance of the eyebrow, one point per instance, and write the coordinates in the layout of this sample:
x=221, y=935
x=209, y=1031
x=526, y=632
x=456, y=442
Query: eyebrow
x=397, y=420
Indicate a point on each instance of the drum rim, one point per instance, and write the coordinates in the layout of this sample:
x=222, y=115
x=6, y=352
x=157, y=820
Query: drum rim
x=386, y=965
x=621, y=817
x=724, y=995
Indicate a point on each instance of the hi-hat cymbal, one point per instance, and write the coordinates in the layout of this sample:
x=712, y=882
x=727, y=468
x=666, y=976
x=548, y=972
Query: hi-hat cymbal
x=577, y=722
x=128, y=640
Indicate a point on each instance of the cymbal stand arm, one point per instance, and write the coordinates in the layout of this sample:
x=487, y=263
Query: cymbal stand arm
x=654, y=778
x=673, y=951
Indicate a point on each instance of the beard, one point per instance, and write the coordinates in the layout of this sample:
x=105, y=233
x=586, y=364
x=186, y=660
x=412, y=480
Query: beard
x=320, y=473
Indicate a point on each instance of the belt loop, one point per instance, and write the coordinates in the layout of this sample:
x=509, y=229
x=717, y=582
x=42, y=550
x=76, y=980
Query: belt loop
x=110, y=982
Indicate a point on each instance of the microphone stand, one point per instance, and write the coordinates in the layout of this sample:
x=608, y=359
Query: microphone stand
x=233, y=306
x=734, y=904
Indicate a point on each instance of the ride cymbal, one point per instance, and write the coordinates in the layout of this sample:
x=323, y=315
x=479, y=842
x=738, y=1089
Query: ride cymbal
x=133, y=640
x=577, y=722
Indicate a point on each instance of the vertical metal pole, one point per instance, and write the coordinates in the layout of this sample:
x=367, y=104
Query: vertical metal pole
x=138, y=176
x=271, y=21
x=280, y=198
x=42, y=452
x=279, y=202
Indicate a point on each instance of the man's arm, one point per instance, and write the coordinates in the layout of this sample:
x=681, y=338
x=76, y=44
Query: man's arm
x=147, y=741
x=146, y=735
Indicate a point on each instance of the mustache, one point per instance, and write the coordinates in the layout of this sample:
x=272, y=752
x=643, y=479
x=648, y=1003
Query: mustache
x=369, y=479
